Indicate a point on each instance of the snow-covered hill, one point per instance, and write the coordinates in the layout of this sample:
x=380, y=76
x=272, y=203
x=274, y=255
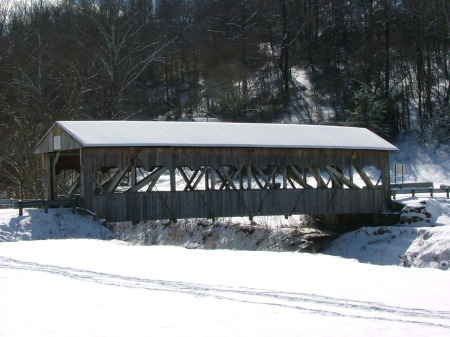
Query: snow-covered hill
x=423, y=162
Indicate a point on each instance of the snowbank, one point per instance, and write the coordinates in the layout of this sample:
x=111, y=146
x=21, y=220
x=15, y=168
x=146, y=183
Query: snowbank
x=423, y=240
x=420, y=212
x=59, y=223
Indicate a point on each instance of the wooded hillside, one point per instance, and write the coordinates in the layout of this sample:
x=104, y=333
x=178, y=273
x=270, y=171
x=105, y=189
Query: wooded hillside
x=383, y=64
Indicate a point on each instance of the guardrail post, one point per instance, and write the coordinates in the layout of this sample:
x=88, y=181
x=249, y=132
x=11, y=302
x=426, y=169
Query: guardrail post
x=413, y=192
x=46, y=205
x=73, y=205
x=431, y=192
x=446, y=190
x=20, y=207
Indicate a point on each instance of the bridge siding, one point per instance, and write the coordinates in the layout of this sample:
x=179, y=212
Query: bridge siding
x=213, y=203
x=119, y=157
x=137, y=206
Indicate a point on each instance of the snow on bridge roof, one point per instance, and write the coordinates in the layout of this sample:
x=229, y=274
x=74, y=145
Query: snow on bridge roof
x=188, y=134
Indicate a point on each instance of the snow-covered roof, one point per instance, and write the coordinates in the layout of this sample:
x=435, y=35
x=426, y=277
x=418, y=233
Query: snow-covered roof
x=188, y=134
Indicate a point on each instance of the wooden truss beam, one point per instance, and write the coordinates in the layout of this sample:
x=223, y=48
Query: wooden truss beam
x=188, y=180
x=75, y=187
x=148, y=179
x=341, y=178
x=197, y=181
x=336, y=182
x=364, y=177
x=315, y=171
x=263, y=176
x=112, y=184
x=298, y=178
x=229, y=181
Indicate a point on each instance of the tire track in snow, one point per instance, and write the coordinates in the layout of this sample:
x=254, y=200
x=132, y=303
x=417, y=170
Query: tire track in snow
x=307, y=303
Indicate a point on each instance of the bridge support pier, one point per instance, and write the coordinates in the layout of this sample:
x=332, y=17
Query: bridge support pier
x=342, y=223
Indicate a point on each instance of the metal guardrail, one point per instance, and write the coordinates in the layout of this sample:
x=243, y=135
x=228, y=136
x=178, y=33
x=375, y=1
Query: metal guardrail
x=38, y=203
x=414, y=190
x=412, y=185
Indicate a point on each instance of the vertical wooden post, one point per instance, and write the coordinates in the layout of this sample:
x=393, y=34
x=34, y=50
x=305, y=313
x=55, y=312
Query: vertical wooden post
x=241, y=179
x=46, y=164
x=82, y=176
x=285, y=182
x=133, y=178
x=273, y=177
x=249, y=177
x=173, y=187
x=52, y=178
x=207, y=176
x=386, y=178
x=74, y=205
x=213, y=183
x=87, y=172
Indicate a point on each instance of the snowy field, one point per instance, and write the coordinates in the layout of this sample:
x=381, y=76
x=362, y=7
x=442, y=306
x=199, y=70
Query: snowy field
x=106, y=288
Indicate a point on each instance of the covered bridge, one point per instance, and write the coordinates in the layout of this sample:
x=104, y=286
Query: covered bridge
x=141, y=170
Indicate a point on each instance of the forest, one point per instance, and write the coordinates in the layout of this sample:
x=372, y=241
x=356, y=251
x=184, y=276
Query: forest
x=381, y=64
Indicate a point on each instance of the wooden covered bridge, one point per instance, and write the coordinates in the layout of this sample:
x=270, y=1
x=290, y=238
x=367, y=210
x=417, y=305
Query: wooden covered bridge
x=135, y=170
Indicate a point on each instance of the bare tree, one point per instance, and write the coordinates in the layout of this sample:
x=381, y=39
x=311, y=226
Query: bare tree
x=119, y=54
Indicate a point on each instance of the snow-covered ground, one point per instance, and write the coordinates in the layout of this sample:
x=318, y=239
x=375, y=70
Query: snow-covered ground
x=107, y=288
